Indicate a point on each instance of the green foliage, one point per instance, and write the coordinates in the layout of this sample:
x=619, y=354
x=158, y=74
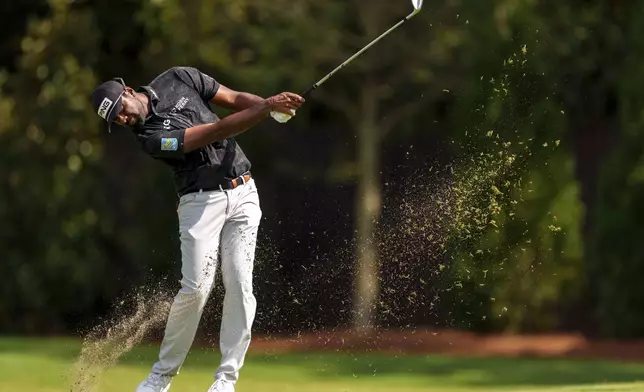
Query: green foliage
x=615, y=260
x=537, y=221
x=520, y=260
x=615, y=263
x=53, y=230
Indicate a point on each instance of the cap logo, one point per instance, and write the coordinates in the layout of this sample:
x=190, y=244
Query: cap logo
x=104, y=108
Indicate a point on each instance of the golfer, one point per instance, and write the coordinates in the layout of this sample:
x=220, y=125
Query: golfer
x=218, y=204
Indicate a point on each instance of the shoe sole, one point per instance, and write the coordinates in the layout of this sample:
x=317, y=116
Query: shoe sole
x=166, y=389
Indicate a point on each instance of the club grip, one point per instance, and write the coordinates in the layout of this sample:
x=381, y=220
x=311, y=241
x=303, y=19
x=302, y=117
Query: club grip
x=308, y=91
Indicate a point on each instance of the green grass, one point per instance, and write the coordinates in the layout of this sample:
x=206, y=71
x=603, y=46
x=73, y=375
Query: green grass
x=42, y=365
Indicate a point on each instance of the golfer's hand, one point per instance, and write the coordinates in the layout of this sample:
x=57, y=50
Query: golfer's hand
x=285, y=102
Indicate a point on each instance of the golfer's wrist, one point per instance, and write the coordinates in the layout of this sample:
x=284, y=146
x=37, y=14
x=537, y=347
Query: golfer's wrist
x=265, y=106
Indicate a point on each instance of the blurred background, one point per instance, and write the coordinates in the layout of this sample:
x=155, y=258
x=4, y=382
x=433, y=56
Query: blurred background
x=478, y=171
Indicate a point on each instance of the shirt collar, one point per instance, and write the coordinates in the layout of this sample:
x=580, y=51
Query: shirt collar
x=150, y=92
x=152, y=95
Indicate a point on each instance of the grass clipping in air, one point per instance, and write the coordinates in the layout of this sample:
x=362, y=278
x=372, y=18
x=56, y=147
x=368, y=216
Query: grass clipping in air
x=432, y=225
x=461, y=202
x=104, y=346
x=476, y=194
x=474, y=203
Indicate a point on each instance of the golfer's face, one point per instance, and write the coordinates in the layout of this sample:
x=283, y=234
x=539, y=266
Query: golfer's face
x=131, y=113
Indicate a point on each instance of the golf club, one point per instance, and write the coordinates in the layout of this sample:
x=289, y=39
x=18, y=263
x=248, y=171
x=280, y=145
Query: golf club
x=281, y=117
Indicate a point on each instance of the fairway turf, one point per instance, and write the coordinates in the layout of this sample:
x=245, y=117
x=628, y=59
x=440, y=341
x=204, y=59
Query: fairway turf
x=42, y=365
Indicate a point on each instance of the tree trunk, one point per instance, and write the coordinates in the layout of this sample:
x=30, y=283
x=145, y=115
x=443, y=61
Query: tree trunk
x=368, y=206
x=594, y=140
x=591, y=96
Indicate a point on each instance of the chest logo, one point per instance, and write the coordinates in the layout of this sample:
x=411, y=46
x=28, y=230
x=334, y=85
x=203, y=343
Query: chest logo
x=176, y=109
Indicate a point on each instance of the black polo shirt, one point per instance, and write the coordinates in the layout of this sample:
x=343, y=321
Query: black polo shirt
x=179, y=99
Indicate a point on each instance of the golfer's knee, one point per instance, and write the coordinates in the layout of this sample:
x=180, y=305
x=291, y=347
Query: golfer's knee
x=192, y=294
x=241, y=291
x=235, y=283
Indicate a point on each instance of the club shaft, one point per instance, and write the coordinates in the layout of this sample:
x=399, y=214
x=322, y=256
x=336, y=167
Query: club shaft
x=350, y=59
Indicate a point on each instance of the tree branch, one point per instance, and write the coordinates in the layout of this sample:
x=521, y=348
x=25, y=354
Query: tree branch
x=340, y=103
x=394, y=117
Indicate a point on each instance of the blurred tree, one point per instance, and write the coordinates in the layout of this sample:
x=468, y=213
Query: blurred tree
x=577, y=49
x=378, y=97
x=79, y=258
x=514, y=252
x=15, y=17
x=615, y=258
x=589, y=57
x=533, y=98
x=57, y=265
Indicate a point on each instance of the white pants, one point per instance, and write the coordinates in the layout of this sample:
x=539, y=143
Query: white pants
x=212, y=224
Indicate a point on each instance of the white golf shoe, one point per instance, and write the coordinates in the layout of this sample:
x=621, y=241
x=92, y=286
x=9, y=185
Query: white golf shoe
x=155, y=383
x=221, y=385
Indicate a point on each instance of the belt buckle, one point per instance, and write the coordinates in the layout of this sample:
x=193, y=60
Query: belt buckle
x=235, y=181
x=243, y=179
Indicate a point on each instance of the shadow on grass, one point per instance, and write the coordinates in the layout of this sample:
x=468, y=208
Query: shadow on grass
x=466, y=372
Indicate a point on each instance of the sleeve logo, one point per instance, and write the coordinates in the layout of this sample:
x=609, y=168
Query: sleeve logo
x=169, y=144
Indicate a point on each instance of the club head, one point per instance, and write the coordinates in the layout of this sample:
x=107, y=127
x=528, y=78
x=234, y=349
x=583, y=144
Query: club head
x=417, y=4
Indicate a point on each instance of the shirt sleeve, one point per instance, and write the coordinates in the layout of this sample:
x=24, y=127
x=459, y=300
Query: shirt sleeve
x=204, y=84
x=165, y=144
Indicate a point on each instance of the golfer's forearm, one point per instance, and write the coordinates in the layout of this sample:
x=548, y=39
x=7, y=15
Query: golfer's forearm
x=244, y=101
x=203, y=135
